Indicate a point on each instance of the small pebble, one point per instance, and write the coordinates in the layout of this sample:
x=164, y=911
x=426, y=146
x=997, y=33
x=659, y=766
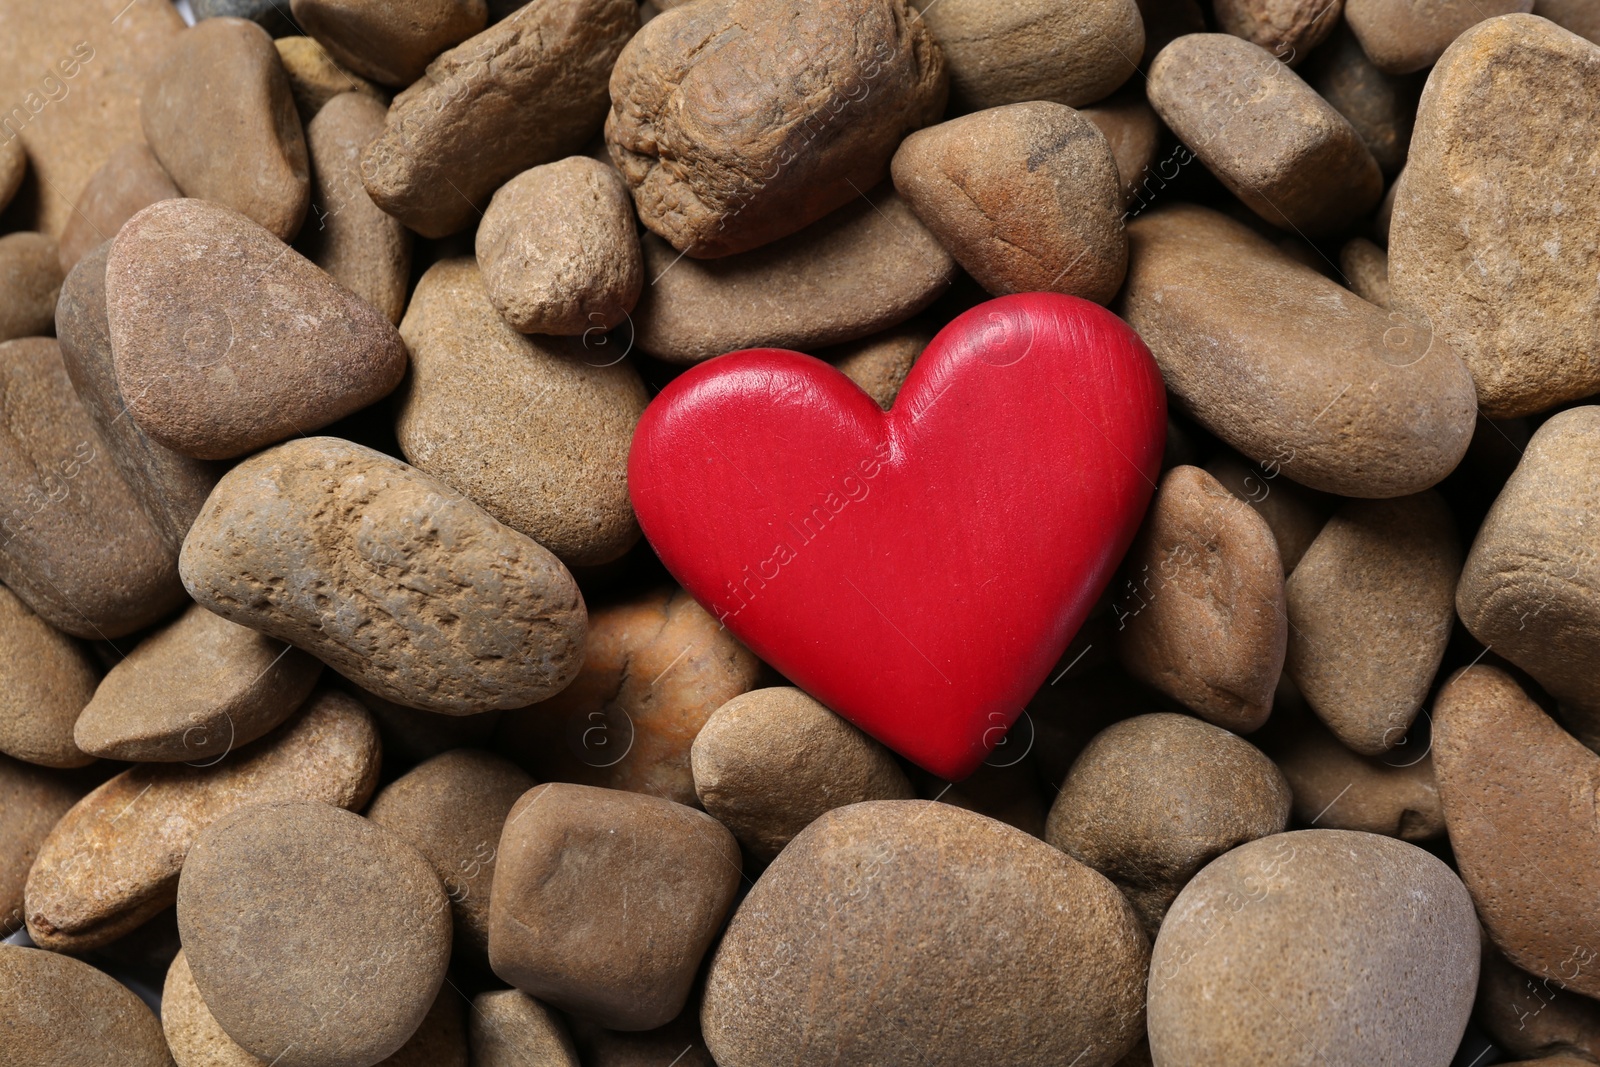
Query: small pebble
x=1006, y=789
x=1293, y=513
x=389, y=41
x=1382, y=107
x=314, y=78
x=1402, y=36
x=411, y=736
x=879, y=364
x=30, y=282
x=61, y=1012
x=508, y=1028
x=131, y=180
x=1131, y=128
x=1579, y=16
x=1289, y=29
x=1365, y=267
x=271, y=15
x=46, y=678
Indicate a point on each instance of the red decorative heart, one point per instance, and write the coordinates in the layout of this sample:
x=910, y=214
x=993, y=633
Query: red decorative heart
x=918, y=571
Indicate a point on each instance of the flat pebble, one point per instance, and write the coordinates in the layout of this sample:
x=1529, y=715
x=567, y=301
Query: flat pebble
x=314, y=936
x=113, y=860
x=46, y=678
x=32, y=800
x=314, y=78
x=1402, y=36
x=769, y=762
x=305, y=542
x=389, y=41
x=1518, y=795
x=1515, y=103
x=1365, y=267
x=1265, y=938
x=562, y=926
x=61, y=1012
x=30, y=281
x=225, y=339
x=1293, y=160
x=452, y=808
x=1201, y=614
x=1294, y=514
x=1155, y=798
x=864, y=268
x=467, y=125
x=1289, y=29
x=737, y=123
x=559, y=249
x=1026, y=197
x=535, y=430
x=242, y=148
x=194, y=690
x=508, y=1028
x=131, y=180
x=879, y=364
x=1370, y=611
x=1289, y=367
x=1382, y=107
x=973, y=905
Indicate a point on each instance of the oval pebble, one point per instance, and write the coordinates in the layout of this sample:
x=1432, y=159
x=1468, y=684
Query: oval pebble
x=61, y=1012
x=389, y=41
x=508, y=1028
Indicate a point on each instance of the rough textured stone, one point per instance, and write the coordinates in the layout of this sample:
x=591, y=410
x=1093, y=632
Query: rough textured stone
x=1287, y=28
x=195, y=690
x=1365, y=267
x=654, y=669
x=559, y=249
x=259, y=889
x=219, y=116
x=452, y=808
x=1530, y=1015
x=561, y=925
x=46, y=678
x=1132, y=130
x=1506, y=280
x=1263, y=940
x=131, y=180
x=1155, y=798
x=1289, y=367
x=225, y=339
x=865, y=268
x=1069, y=53
x=534, y=429
x=363, y=248
x=1027, y=198
x=1268, y=136
x=736, y=123
x=508, y=1028
x=769, y=762
x=306, y=542
x=1516, y=788
x=805, y=963
x=1529, y=585
x=528, y=90
x=170, y=486
x=113, y=860
x=30, y=281
x=879, y=364
x=389, y=41
x=314, y=78
x=1370, y=612
x=78, y=549
x=1294, y=514
x=61, y=1012
x=1402, y=36
x=1382, y=107
x=1201, y=614
x=32, y=800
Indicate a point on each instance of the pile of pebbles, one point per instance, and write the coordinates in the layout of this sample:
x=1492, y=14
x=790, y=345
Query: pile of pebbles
x=345, y=718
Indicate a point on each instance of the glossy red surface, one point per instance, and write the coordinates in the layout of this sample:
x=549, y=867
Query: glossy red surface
x=918, y=571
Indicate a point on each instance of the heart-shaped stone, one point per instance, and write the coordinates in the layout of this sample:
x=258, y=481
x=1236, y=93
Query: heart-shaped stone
x=919, y=570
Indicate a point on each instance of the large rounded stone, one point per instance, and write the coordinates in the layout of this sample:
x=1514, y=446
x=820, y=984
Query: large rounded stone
x=61, y=1012
x=46, y=679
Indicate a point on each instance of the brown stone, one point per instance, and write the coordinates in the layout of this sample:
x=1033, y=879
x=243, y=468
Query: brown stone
x=113, y=860
x=61, y=1012
x=170, y=486
x=1155, y=798
x=13, y=167
x=1529, y=586
x=452, y=808
x=1532, y=1015
x=194, y=691
x=1516, y=788
x=242, y=146
x=526, y=91
x=225, y=339
x=1514, y=104
x=1579, y=16
x=769, y=762
x=363, y=248
x=30, y=281
x=1382, y=107
x=46, y=678
x=131, y=180
x=1402, y=36
x=1370, y=612
x=1201, y=614
x=864, y=268
x=559, y=249
x=1259, y=945
x=314, y=936
x=1289, y=367
x=1132, y=130
x=314, y=78
x=388, y=576
x=879, y=364
x=862, y=938
x=654, y=669
x=1365, y=267
x=32, y=800
x=1287, y=28
x=736, y=123
x=78, y=549
x=561, y=925
x=1293, y=513
x=1026, y=197
x=1071, y=54
x=534, y=429
x=389, y=41
x=680, y=1039
x=508, y=1028
x=411, y=736
x=1268, y=136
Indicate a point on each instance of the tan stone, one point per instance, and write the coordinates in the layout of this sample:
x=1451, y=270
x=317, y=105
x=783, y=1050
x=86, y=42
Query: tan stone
x=1293, y=513
x=62, y=1012
x=1530, y=1015
x=13, y=168
x=389, y=41
x=314, y=78
x=1406, y=35
x=32, y=800
x=1289, y=29
x=879, y=364
x=1131, y=128
x=131, y=180
x=1579, y=16
x=46, y=678
x=1365, y=267
x=1382, y=107
x=508, y=1028
x=30, y=282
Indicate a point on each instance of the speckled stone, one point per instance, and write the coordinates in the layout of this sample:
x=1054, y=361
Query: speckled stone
x=32, y=800
x=1294, y=514
x=1365, y=267
x=508, y=1028
x=1402, y=36
x=46, y=678
x=61, y=1012
x=879, y=364
x=131, y=180
x=1382, y=107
